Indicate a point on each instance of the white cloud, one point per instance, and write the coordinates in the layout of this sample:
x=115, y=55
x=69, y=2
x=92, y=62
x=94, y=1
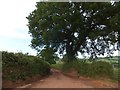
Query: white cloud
x=13, y=30
x=13, y=17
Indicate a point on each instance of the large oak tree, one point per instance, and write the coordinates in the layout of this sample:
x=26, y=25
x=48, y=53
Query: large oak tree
x=91, y=28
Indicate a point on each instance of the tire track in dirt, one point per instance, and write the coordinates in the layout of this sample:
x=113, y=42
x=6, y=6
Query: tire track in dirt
x=59, y=80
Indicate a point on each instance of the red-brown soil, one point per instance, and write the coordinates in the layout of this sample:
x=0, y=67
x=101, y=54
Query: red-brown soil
x=59, y=80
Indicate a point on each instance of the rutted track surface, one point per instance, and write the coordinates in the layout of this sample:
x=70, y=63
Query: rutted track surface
x=59, y=80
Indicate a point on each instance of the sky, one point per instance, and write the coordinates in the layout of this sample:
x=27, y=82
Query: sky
x=14, y=35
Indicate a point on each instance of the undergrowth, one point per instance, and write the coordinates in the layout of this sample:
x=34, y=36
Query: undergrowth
x=94, y=69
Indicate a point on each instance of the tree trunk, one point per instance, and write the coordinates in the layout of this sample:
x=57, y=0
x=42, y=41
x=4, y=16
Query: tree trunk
x=69, y=47
x=70, y=53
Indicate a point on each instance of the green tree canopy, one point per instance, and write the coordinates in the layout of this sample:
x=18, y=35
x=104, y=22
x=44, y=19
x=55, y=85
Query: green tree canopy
x=48, y=55
x=91, y=28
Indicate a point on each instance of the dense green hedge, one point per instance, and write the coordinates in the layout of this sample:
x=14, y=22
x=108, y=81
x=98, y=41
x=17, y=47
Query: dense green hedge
x=19, y=66
x=96, y=68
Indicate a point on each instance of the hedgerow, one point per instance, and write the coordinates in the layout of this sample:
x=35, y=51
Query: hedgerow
x=18, y=66
x=94, y=69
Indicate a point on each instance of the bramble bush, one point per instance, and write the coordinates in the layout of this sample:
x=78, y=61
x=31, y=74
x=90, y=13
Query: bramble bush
x=19, y=66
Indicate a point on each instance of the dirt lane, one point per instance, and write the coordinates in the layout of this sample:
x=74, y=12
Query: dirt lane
x=58, y=80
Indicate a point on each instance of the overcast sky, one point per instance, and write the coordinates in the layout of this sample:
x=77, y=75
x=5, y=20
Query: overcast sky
x=14, y=35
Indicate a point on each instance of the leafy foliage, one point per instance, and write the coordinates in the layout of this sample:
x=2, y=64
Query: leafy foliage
x=116, y=75
x=19, y=66
x=57, y=66
x=91, y=28
x=48, y=55
x=94, y=69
